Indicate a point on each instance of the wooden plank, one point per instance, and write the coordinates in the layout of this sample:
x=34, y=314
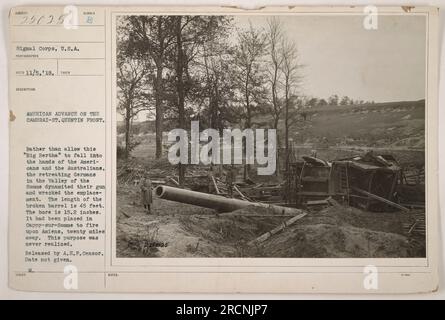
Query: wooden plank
x=174, y=181
x=333, y=202
x=317, y=202
x=240, y=193
x=124, y=213
x=314, y=193
x=414, y=205
x=214, y=184
x=412, y=227
x=373, y=196
x=269, y=234
x=230, y=214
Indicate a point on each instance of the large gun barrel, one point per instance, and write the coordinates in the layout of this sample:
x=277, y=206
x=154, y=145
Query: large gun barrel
x=218, y=203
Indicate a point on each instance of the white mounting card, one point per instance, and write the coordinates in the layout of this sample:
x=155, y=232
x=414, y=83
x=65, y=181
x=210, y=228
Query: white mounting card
x=219, y=149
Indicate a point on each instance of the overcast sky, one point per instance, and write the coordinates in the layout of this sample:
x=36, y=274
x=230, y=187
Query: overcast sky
x=342, y=57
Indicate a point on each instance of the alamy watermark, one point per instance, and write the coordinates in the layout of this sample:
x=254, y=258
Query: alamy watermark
x=370, y=21
x=71, y=20
x=71, y=279
x=371, y=277
x=248, y=147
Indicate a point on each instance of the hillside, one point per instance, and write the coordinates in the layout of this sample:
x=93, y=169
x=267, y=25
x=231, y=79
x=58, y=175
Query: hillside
x=396, y=124
x=393, y=124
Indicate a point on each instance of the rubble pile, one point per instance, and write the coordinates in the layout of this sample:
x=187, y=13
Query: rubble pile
x=360, y=206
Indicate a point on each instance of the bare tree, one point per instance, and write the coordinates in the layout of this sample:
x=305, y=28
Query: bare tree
x=132, y=82
x=250, y=50
x=191, y=35
x=180, y=63
x=248, y=57
x=132, y=93
x=274, y=41
x=291, y=81
x=154, y=36
x=218, y=90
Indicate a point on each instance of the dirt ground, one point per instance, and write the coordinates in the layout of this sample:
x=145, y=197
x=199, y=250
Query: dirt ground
x=179, y=230
x=345, y=232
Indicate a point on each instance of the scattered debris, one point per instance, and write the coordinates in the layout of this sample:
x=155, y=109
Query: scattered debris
x=370, y=181
x=349, y=207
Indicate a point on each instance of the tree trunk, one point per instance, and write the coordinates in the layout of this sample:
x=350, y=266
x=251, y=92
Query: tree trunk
x=278, y=146
x=248, y=124
x=180, y=89
x=286, y=137
x=159, y=110
x=127, y=130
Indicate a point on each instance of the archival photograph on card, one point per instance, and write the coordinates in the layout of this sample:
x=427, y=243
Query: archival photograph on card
x=270, y=136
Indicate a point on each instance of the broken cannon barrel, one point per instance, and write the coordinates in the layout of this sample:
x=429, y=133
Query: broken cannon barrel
x=212, y=201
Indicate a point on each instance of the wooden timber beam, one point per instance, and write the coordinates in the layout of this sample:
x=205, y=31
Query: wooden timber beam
x=373, y=196
x=269, y=234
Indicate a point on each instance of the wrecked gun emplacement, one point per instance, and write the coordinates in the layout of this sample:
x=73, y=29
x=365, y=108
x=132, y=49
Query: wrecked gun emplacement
x=359, y=206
